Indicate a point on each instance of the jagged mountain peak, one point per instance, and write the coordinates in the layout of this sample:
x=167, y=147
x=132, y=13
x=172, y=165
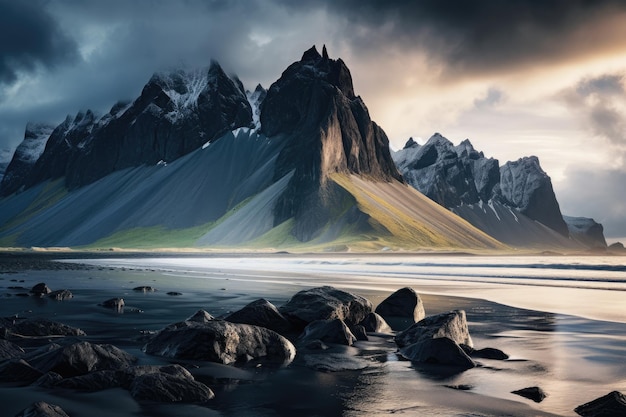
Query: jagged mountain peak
x=411, y=144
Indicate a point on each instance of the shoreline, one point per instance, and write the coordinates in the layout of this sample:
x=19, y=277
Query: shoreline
x=542, y=345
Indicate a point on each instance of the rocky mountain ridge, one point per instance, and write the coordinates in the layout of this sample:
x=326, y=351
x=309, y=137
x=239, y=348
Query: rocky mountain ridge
x=518, y=195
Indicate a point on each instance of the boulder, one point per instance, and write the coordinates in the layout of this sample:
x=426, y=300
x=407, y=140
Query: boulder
x=326, y=303
x=404, y=303
x=261, y=313
x=611, y=405
x=440, y=351
x=201, y=316
x=48, y=380
x=220, y=341
x=91, y=382
x=452, y=325
x=114, y=303
x=82, y=358
x=359, y=332
x=38, y=327
x=42, y=409
x=61, y=295
x=374, y=323
x=127, y=376
x=9, y=350
x=164, y=387
x=328, y=331
x=40, y=289
x=532, y=393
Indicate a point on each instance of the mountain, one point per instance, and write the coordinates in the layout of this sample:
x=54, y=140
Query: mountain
x=586, y=231
x=25, y=156
x=188, y=164
x=176, y=113
x=5, y=159
x=515, y=202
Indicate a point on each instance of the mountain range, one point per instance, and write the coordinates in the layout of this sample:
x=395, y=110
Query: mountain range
x=197, y=160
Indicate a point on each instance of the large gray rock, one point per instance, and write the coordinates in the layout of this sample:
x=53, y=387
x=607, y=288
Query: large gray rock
x=325, y=303
x=328, y=331
x=164, y=387
x=374, y=323
x=82, y=358
x=91, y=382
x=452, y=325
x=440, y=351
x=261, y=313
x=611, y=405
x=42, y=409
x=405, y=303
x=37, y=327
x=220, y=341
x=437, y=339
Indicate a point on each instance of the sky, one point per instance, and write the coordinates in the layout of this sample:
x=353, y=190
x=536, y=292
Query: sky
x=516, y=77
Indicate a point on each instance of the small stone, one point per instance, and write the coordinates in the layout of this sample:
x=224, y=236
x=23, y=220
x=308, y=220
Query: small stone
x=61, y=295
x=41, y=289
x=144, y=289
x=532, y=393
x=114, y=303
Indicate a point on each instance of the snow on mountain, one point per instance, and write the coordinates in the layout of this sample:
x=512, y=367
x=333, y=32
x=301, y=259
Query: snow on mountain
x=255, y=98
x=27, y=153
x=449, y=175
x=182, y=165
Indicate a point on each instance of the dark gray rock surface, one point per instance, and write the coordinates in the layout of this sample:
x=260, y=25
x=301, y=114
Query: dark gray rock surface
x=438, y=351
x=42, y=409
x=374, y=323
x=220, y=341
x=611, y=405
x=9, y=350
x=405, y=303
x=452, y=325
x=532, y=393
x=328, y=331
x=82, y=358
x=325, y=303
x=261, y=313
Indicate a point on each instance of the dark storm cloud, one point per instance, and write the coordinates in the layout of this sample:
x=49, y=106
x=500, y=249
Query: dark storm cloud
x=30, y=37
x=478, y=36
x=601, y=103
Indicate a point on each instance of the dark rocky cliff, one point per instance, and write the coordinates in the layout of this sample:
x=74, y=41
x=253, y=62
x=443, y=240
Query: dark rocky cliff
x=326, y=129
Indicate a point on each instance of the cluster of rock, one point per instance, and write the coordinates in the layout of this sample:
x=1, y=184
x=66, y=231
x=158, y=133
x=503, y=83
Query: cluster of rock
x=41, y=290
x=310, y=324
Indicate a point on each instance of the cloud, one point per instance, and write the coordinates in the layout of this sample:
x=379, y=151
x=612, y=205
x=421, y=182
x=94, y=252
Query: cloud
x=596, y=193
x=30, y=38
x=600, y=102
x=482, y=36
x=493, y=97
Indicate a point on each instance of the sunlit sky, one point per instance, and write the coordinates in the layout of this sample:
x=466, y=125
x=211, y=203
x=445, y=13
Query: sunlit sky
x=517, y=78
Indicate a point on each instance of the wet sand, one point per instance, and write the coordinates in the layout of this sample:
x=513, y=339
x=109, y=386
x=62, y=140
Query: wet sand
x=573, y=359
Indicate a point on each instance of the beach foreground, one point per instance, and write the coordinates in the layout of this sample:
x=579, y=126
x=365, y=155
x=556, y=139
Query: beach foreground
x=574, y=358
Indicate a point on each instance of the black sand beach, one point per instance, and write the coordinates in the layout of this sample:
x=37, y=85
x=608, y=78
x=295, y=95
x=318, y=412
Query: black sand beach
x=574, y=360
